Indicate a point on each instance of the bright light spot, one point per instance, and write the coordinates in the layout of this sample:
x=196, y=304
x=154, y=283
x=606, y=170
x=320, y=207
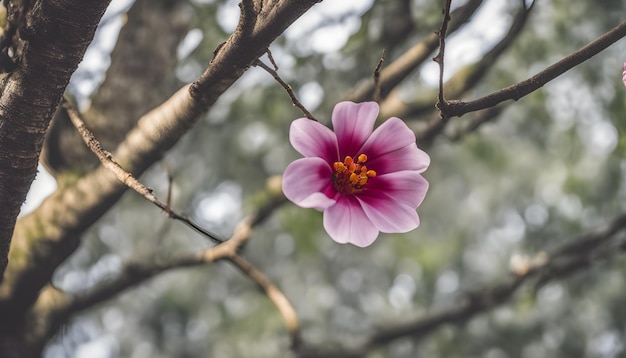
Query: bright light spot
x=601, y=138
x=570, y=207
x=106, y=266
x=550, y=295
x=228, y=16
x=189, y=43
x=96, y=60
x=327, y=26
x=327, y=297
x=73, y=281
x=514, y=228
x=311, y=95
x=402, y=291
x=447, y=282
x=607, y=344
x=536, y=215
x=189, y=71
x=222, y=208
x=333, y=38
x=464, y=47
x=253, y=137
x=113, y=319
x=43, y=185
x=102, y=347
x=238, y=307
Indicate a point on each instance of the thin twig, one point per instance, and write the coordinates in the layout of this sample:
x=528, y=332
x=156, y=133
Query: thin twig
x=170, y=184
x=440, y=56
x=523, y=88
x=275, y=295
x=107, y=160
x=134, y=273
x=397, y=70
x=554, y=264
x=287, y=88
x=271, y=58
x=377, y=85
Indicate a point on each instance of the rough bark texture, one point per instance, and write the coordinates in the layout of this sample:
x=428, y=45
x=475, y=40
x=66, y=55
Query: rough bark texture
x=141, y=76
x=52, y=38
x=43, y=239
x=45, y=42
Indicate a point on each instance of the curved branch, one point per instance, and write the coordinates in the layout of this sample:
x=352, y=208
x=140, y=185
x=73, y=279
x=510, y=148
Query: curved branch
x=31, y=92
x=559, y=262
x=466, y=78
x=397, y=70
x=141, y=76
x=134, y=273
x=49, y=235
x=521, y=89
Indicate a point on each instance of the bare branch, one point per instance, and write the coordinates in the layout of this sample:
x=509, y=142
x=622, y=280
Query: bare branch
x=275, y=295
x=63, y=216
x=287, y=88
x=107, y=161
x=440, y=56
x=30, y=93
x=400, y=68
x=554, y=264
x=463, y=80
x=134, y=273
x=521, y=89
x=377, y=89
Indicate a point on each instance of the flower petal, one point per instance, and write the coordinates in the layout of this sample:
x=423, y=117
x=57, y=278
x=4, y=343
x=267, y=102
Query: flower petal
x=389, y=215
x=390, y=136
x=407, y=187
x=313, y=139
x=346, y=222
x=353, y=124
x=307, y=183
x=406, y=158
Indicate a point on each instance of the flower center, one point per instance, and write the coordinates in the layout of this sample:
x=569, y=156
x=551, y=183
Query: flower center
x=350, y=177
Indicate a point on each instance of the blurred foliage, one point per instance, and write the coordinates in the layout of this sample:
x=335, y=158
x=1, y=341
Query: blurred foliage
x=550, y=167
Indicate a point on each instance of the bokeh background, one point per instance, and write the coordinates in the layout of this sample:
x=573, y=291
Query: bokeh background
x=544, y=170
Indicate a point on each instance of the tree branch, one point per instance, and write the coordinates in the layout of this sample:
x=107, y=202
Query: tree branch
x=521, y=89
x=107, y=161
x=396, y=71
x=134, y=273
x=286, y=86
x=53, y=38
x=141, y=76
x=45, y=238
x=557, y=263
x=464, y=79
x=439, y=59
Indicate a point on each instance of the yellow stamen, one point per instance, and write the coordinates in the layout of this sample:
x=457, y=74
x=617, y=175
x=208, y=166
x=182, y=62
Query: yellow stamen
x=350, y=177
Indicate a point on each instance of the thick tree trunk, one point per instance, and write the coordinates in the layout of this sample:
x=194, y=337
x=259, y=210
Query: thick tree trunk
x=50, y=234
x=45, y=42
x=141, y=76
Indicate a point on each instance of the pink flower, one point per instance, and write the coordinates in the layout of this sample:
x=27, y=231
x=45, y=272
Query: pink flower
x=624, y=73
x=365, y=181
